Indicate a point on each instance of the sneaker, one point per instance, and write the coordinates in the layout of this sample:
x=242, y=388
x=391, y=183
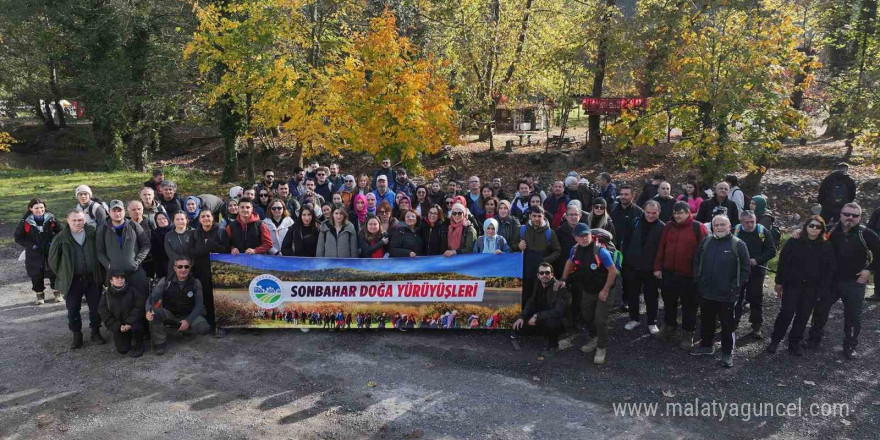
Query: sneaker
x=221, y=333
x=687, y=340
x=137, y=351
x=40, y=299
x=631, y=325
x=591, y=346
x=727, y=360
x=796, y=349
x=58, y=297
x=701, y=351
x=653, y=329
x=599, y=358
x=97, y=338
x=623, y=309
x=773, y=347
x=159, y=349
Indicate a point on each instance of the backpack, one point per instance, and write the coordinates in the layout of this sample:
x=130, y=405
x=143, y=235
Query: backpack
x=839, y=193
x=522, y=233
x=91, y=208
x=604, y=239
x=746, y=199
x=774, y=231
x=733, y=245
x=869, y=255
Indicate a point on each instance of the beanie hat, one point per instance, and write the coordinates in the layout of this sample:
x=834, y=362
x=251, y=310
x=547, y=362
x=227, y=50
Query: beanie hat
x=83, y=189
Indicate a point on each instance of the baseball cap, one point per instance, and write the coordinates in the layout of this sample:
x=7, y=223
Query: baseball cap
x=581, y=229
x=116, y=204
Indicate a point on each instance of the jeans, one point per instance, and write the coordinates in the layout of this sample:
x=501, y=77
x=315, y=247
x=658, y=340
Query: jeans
x=713, y=310
x=853, y=296
x=82, y=286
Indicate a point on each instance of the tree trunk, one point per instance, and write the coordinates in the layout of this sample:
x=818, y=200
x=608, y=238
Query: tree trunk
x=56, y=95
x=599, y=78
x=230, y=129
x=49, y=120
x=250, y=173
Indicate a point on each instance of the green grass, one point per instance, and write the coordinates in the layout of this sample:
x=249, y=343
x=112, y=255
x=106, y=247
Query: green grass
x=19, y=186
x=774, y=263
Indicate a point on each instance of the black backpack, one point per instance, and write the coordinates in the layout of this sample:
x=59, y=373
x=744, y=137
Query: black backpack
x=839, y=193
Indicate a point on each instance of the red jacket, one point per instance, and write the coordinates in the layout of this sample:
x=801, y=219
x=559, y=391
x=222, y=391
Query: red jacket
x=241, y=238
x=678, y=244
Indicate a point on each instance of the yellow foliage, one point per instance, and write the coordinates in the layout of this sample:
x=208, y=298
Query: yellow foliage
x=6, y=141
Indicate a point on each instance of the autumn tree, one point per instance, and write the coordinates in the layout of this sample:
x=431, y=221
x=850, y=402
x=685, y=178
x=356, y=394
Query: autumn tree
x=727, y=85
x=389, y=101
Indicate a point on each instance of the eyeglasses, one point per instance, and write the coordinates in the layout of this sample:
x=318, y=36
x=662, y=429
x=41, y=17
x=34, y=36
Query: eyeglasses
x=270, y=176
x=320, y=174
x=456, y=213
x=544, y=272
x=814, y=226
x=181, y=266
x=384, y=212
x=278, y=208
x=851, y=214
x=264, y=195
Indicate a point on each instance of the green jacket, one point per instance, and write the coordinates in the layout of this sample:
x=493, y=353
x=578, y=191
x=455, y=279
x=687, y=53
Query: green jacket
x=61, y=260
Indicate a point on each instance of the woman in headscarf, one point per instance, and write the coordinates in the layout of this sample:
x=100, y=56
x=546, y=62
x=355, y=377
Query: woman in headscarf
x=372, y=204
x=230, y=214
x=404, y=204
x=508, y=225
x=599, y=218
x=491, y=242
x=359, y=214
x=191, y=206
x=460, y=236
x=764, y=216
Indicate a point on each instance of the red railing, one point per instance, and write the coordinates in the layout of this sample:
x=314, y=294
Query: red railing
x=612, y=106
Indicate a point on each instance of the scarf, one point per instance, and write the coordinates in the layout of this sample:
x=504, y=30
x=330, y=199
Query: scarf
x=192, y=215
x=453, y=238
x=362, y=214
x=367, y=205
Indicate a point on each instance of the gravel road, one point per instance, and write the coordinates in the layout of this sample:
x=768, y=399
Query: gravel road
x=345, y=385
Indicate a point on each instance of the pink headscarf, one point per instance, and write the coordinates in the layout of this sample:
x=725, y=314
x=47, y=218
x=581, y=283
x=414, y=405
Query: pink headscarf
x=362, y=214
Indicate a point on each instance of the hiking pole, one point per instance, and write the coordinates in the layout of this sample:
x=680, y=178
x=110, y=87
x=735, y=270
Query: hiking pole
x=766, y=268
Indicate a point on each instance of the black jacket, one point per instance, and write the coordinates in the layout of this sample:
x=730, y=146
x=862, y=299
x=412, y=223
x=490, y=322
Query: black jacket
x=828, y=197
x=806, y=263
x=123, y=306
x=706, y=208
x=623, y=221
x=666, y=204
x=300, y=242
x=171, y=206
x=202, y=244
x=565, y=234
x=648, y=193
x=761, y=250
x=851, y=252
x=366, y=248
x=509, y=229
x=548, y=304
x=434, y=238
x=718, y=272
x=640, y=251
x=404, y=240
x=36, y=243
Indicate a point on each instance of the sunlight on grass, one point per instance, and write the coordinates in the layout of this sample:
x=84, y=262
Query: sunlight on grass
x=19, y=186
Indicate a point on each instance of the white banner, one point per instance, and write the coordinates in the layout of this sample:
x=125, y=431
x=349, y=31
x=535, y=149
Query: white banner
x=268, y=291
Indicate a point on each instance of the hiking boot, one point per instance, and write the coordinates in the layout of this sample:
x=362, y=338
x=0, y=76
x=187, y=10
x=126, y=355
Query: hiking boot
x=97, y=338
x=756, y=332
x=159, y=349
x=591, y=346
x=546, y=353
x=653, y=329
x=813, y=344
x=631, y=325
x=687, y=340
x=77, y=341
x=796, y=349
x=137, y=351
x=58, y=297
x=773, y=347
x=850, y=353
x=703, y=351
x=41, y=299
x=599, y=358
x=727, y=360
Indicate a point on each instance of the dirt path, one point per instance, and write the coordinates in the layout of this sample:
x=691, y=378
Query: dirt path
x=333, y=385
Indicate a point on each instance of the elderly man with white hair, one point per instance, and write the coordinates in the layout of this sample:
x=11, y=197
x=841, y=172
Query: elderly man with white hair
x=721, y=266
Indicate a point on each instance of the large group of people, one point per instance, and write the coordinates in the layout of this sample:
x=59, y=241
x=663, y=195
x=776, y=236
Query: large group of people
x=589, y=249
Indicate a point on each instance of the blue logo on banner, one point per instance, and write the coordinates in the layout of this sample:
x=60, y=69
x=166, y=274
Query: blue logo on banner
x=266, y=292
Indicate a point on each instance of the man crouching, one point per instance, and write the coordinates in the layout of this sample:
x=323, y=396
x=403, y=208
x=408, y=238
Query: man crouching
x=176, y=300
x=545, y=309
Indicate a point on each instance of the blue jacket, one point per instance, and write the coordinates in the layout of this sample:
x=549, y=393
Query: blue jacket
x=389, y=197
x=500, y=243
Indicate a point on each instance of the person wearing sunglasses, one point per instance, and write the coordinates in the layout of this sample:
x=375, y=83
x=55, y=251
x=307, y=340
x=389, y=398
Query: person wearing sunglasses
x=805, y=271
x=544, y=311
x=269, y=184
x=323, y=187
x=176, y=301
x=348, y=190
x=598, y=218
x=855, y=248
x=460, y=233
x=278, y=222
